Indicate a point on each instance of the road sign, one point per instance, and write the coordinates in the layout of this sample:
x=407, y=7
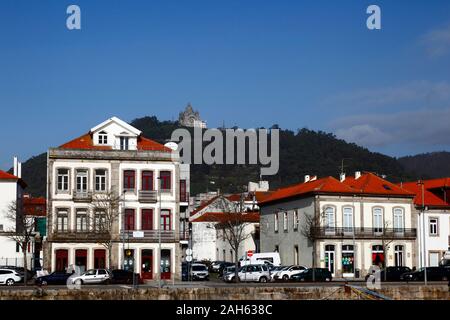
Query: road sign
x=188, y=258
x=249, y=253
x=189, y=252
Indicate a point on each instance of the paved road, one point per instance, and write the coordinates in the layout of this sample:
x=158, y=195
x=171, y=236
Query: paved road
x=217, y=284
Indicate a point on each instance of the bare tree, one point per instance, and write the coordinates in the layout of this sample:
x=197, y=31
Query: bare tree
x=233, y=223
x=22, y=231
x=310, y=229
x=106, y=211
x=386, y=241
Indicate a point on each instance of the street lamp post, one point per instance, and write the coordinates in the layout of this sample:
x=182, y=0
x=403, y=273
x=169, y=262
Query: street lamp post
x=423, y=232
x=159, y=233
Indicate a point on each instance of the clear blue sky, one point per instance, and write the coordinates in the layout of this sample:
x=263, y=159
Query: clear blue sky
x=249, y=63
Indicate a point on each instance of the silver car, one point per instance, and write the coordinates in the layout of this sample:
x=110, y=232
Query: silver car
x=92, y=276
x=251, y=273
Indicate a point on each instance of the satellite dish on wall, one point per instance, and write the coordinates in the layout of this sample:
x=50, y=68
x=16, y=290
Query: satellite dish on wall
x=171, y=145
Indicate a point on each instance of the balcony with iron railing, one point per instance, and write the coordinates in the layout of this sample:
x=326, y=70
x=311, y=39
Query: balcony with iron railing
x=363, y=233
x=82, y=196
x=153, y=235
x=148, y=196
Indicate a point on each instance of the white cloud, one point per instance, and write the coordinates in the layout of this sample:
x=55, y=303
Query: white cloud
x=437, y=41
x=412, y=93
x=423, y=127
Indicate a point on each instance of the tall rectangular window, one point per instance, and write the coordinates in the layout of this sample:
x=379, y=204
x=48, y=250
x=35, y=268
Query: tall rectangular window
x=285, y=221
x=377, y=220
x=165, y=220
x=330, y=221
x=165, y=177
x=295, y=226
x=62, y=221
x=129, y=219
x=124, y=143
x=63, y=179
x=82, y=221
x=399, y=220
x=81, y=181
x=100, y=180
x=147, y=180
x=129, y=180
x=348, y=219
x=147, y=219
x=100, y=223
x=275, y=222
x=434, y=226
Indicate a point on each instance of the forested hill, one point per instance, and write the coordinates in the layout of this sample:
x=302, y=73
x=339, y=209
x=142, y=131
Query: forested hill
x=302, y=152
x=428, y=165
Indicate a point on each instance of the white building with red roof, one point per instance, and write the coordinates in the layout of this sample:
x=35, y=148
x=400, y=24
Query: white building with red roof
x=432, y=197
x=11, y=194
x=356, y=222
x=151, y=185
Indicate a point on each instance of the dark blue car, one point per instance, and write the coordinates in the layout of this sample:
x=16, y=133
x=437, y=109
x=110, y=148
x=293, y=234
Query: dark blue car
x=54, y=278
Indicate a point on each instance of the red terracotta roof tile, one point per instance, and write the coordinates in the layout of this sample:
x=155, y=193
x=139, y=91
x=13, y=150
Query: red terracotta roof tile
x=220, y=217
x=85, y=143
x=8, y=176
x=370, y=183
x=430, y=198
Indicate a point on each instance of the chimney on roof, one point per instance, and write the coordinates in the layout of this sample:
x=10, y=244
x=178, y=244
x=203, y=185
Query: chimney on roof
x=342, y=177
x=19, y=169
x=313, y=178
x=357, y=174
x=307, y=178
x=15, y=166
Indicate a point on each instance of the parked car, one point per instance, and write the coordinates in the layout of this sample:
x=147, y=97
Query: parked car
x=286, y=273
x=92, y=276
x=215, y=265
x=433, y=274
x=320, y=274
x=119, y=276
x=223, y=266
x=274, y=271
x=9, y=277
x=199, y=272
x=392, y=273
x=57, y=277
x=21, y=271
x=250, y=273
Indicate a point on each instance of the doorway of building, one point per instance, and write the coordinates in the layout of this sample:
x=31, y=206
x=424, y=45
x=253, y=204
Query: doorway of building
x=329, y=258
x=61, y=257
x=81, y=260
x=147, y=264
x=165, y=264
x=99, y=258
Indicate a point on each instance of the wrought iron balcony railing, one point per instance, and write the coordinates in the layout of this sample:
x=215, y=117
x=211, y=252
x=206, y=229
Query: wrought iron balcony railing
x=363, y=233
x=153, y=235
x=148, y=196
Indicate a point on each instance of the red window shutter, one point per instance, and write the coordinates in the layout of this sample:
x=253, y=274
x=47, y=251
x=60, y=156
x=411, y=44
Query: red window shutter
x=129, y=219
x=147, y=180
x=147, y=219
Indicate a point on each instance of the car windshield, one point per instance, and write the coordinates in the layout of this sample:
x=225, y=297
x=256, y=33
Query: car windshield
x=198, y=268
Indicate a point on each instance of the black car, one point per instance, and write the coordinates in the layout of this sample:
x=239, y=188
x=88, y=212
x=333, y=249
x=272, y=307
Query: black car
x=58, y=277
x=320, y=274
x=391, y=273
x=119, y=276
x=433, y=274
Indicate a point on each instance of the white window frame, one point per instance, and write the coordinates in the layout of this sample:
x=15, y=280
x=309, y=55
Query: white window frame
x=103, y=181
x=349, y=228
x=330, y=224
x=276, y=222
x=378, y=219
x=102, y=138
x=296, y=222
x=433, y=225
x=65, y=180
x=396, y=219
x=84, y=222
x=62, y=221
x=83, y=174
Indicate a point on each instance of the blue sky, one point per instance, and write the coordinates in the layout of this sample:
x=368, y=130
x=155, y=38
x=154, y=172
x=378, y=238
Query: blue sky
x=248, y=63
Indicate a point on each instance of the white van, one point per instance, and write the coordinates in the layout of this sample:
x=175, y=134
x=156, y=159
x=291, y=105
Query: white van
x=272, y=258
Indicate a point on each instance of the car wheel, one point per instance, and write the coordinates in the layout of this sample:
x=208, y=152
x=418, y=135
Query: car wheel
x=302, y=279
x=79, y=282
x=44, y=283
x=10, y=282
x=263, y=279
x=285, y=277
x=327, y=279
